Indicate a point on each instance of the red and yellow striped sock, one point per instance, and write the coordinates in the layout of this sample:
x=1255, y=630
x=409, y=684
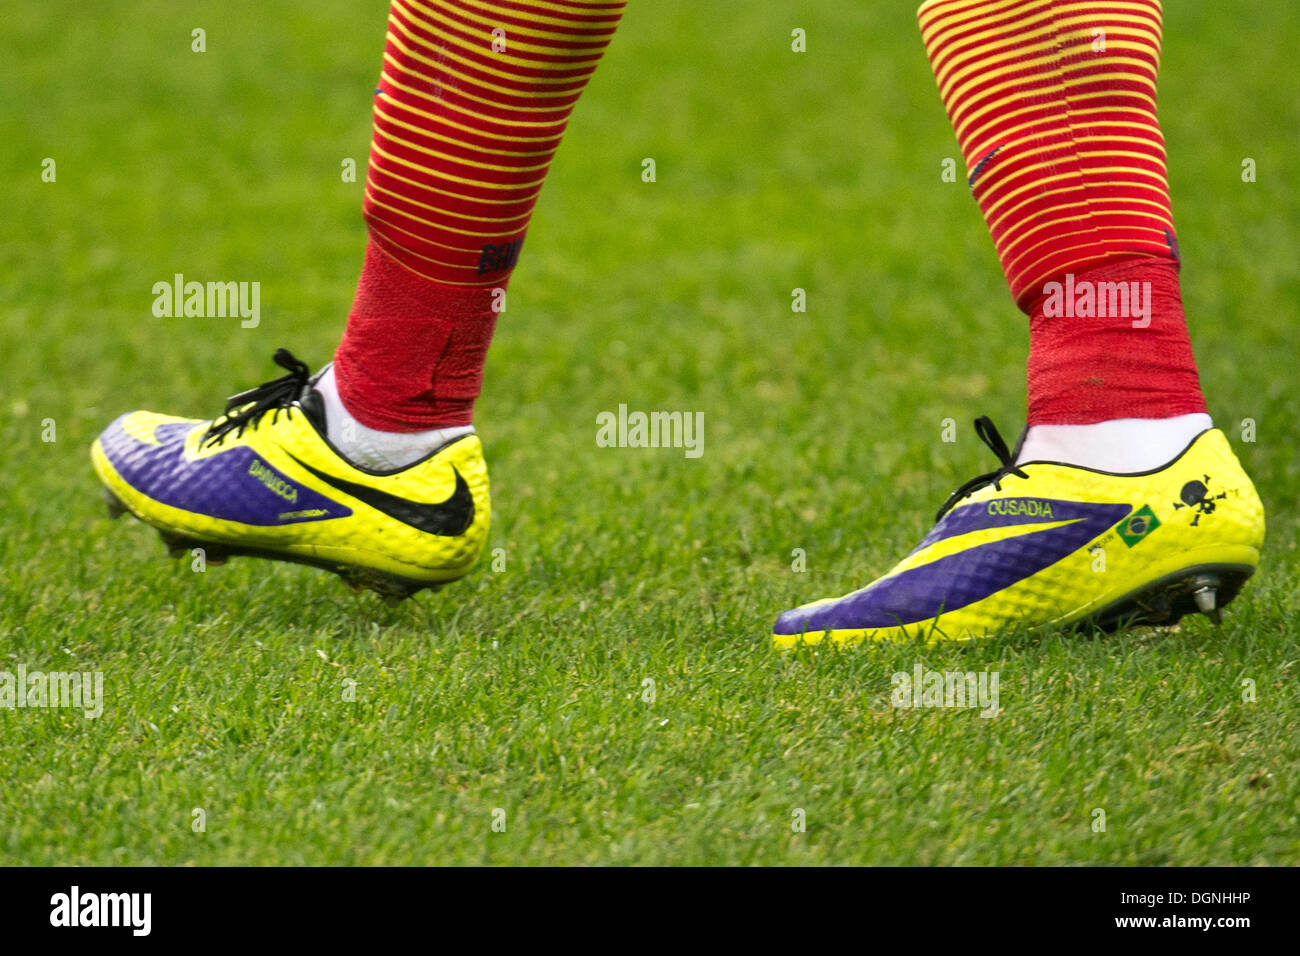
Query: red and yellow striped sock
x=472, y=103
x=1054, y=106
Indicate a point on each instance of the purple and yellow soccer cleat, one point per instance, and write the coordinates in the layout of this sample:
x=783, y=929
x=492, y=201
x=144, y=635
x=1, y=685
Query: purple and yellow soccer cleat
x=264, y=480
x=1048, y=543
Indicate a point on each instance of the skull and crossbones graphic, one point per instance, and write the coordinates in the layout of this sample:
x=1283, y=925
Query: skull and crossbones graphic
x=1196, y=494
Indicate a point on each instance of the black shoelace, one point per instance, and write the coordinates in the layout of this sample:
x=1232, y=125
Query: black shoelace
x=989, y=434
x=275, y=396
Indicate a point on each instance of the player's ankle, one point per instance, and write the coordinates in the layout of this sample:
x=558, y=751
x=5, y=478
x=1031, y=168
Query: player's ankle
x=377, y=448
x=1120, y=445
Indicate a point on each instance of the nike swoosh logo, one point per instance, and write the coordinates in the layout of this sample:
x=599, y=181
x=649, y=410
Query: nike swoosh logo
x=943, y=547
x=957, y=580
x=448, y=519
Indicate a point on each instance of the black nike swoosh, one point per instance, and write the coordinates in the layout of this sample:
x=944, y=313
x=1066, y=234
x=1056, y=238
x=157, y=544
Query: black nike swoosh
x=448, y=518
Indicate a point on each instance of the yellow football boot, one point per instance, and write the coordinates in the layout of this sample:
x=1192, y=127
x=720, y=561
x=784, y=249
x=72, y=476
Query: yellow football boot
x=264, y=480
x=1048, y=543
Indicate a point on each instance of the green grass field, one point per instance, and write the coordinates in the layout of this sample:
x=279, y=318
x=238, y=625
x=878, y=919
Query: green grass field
x=524, y=689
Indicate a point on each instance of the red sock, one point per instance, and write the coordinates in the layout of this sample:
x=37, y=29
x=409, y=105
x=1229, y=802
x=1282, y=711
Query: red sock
x=1054, y=105
x=473, y=102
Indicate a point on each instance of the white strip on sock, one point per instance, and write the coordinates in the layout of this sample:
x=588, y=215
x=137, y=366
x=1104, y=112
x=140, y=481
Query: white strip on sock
x=1121, y=445
x=379, y=450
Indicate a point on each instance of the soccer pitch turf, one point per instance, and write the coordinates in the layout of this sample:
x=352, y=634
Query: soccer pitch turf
x=607, y=688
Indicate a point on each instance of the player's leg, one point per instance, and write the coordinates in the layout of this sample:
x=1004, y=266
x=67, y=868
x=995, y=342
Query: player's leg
x=471, y=106
x=371, y=468
x=1054, y=105
x=1122, y=502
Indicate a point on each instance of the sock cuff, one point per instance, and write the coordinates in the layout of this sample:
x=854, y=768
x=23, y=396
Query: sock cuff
x=412, y=354
x=1111, y=342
